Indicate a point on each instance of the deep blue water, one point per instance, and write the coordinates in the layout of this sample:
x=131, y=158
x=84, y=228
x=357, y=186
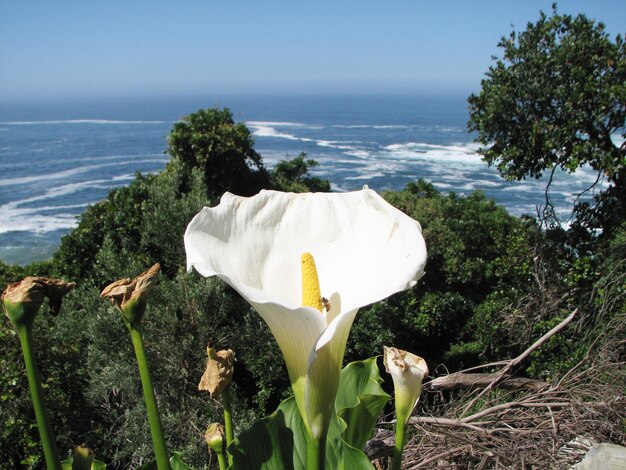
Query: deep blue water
x=56, y=158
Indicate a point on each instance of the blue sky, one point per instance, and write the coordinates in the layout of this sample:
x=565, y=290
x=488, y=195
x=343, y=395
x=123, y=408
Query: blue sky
x=125, y=48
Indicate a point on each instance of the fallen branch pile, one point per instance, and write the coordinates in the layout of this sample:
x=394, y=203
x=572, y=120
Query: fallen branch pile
x=497, y=425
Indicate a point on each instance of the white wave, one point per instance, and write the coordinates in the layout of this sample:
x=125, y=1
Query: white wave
x=488, y=183
x=464, y=148
x=269, y=131
x=78, y=121
x=337, y=144
x=37, y=210
x=126, y=177
x=361, y=154
x=470, y=186
x=513, y=186
x=44, y=177
x=39, y=223
x=119, y=157
x=279, y=124
x=55, y=192
x=72, y=172
x=343, y=161
x=264, y=129
x=372, y=126
x=15, y=217
x=16, y=164
x=423, y=151
x=375, y=174
x=35, y=219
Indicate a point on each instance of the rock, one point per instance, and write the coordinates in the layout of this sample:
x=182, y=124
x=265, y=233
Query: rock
x=603, y=457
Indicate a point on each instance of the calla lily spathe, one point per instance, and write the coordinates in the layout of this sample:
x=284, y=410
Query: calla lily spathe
x=365, y=250
x=407, y=371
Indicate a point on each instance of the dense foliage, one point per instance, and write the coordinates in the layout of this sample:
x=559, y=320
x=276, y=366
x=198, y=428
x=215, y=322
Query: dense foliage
x=493, y=283
x=212, y=141
x=556, y=100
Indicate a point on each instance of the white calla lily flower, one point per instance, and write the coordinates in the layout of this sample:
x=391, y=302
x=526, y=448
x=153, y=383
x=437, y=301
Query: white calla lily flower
x=407, y=371
x=364, y=249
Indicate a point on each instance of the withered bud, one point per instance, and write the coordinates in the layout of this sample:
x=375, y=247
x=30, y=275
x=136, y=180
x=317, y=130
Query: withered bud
x=23, y=299
x=56, y=289
x=215, y=437
x=219, y=372
x=129, y=295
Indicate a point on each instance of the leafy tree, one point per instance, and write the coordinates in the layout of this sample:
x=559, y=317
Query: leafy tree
x=211, y=140
x=556, y=100
x=293, y=175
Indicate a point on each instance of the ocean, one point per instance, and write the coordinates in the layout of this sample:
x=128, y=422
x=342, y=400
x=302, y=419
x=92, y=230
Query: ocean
x=56, y=158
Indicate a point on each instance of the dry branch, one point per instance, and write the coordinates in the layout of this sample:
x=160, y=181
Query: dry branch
x=518, y=360
x=467, y=380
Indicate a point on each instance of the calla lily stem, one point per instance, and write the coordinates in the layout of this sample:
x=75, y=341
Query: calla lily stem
x=158, y=440
x=400, y=439
x=222, y=461
x=316, y=452
x=227, y=400
x=50, y=451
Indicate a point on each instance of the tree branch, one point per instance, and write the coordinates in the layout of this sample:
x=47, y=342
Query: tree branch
x=514, y=362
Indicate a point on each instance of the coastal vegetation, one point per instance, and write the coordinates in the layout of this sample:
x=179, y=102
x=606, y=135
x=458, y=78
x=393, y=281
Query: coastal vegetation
x=494, y=283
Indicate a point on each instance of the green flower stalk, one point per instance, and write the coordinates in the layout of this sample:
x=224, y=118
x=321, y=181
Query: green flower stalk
x=22, y=300
x=216, y=380
x=130, y=297
x=407, y=371
x=215, y=438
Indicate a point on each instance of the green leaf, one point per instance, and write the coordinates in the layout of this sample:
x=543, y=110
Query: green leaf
x=360, y=400
x=275, y=442
x=278, y=441
x=176, y=462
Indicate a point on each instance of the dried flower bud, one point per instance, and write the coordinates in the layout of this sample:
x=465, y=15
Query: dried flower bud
x=56, y=289
x=219, y=372
x=407, y=371
x=129, y=296
x=215, y=437
x=23, y=299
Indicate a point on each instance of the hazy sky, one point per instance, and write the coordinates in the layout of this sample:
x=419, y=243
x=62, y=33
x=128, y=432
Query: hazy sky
x=131, y=47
